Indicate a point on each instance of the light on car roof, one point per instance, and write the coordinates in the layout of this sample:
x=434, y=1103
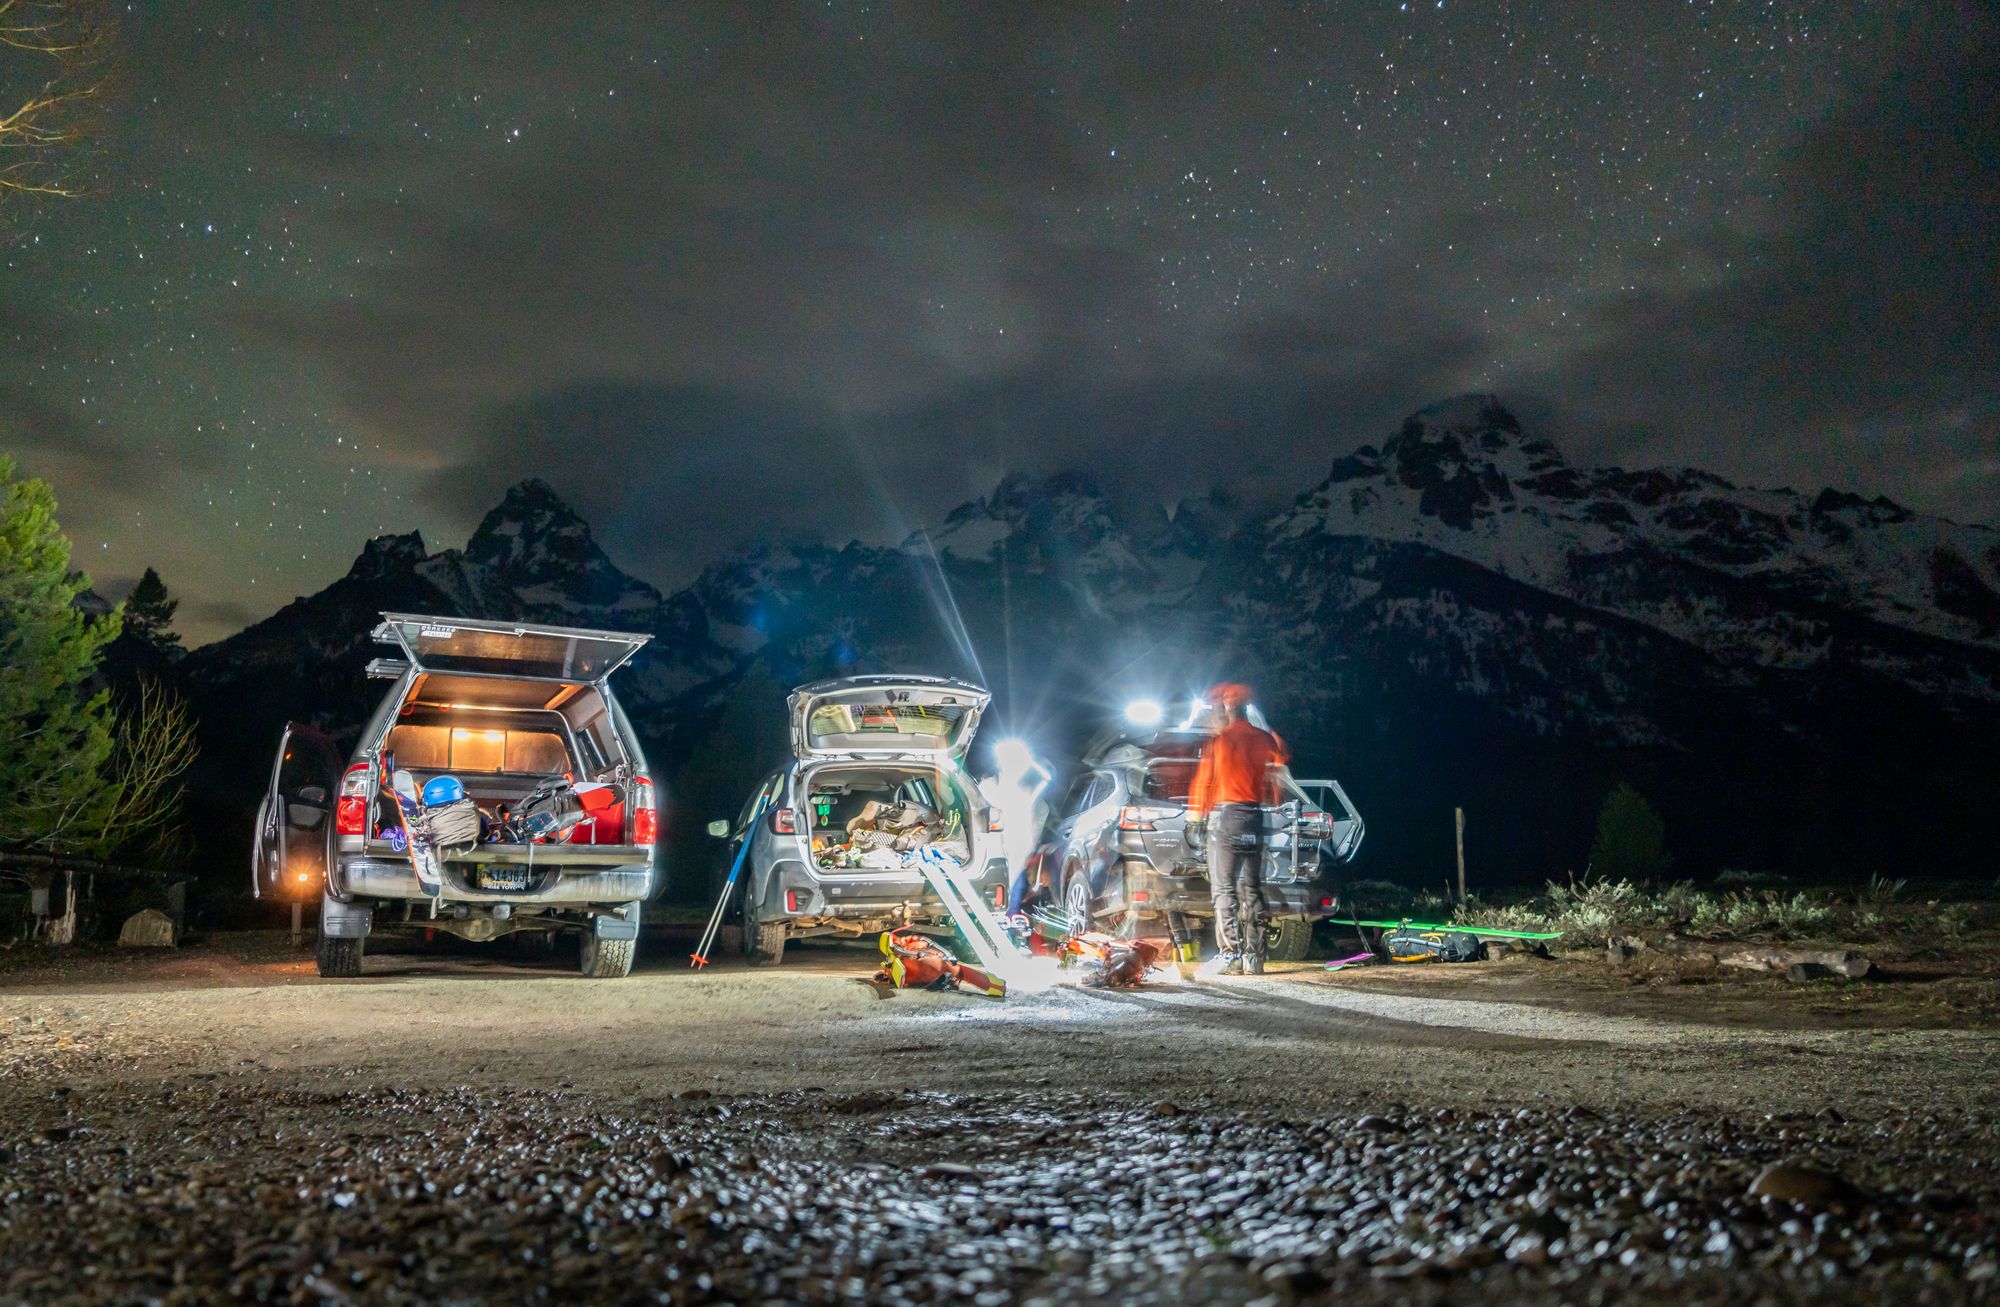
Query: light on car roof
x=1144, y=712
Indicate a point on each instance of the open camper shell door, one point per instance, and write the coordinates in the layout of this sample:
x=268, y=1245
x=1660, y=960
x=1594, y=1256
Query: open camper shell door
x=473, y=647
x=913, y=717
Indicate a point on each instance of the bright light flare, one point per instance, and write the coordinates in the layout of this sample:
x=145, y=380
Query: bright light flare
x=1031, y=975
x=1145, y=712
x=1014, y=758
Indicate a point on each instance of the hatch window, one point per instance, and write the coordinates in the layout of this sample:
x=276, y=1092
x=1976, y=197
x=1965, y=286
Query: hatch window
x=874, y=725
x=472, y=749
x=540, y=654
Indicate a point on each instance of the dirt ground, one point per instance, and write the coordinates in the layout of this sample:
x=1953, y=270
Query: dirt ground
x=107, y=1061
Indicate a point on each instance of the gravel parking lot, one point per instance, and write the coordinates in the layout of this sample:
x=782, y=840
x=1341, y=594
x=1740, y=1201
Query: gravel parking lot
x=220, y=1123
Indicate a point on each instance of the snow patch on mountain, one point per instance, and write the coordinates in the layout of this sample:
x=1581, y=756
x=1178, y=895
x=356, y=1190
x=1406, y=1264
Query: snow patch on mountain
x=1758, y=575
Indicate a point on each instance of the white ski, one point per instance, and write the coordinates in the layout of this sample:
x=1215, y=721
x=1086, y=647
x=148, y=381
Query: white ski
x=982, y=928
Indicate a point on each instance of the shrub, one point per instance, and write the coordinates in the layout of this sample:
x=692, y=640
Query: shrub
x=1631, y=839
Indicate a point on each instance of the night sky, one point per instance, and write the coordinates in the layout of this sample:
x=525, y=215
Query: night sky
x=723, y=272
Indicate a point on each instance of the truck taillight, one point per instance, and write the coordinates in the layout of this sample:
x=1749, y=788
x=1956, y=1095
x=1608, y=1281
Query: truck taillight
x=994, y=820
x=645, y=816
x=350, y=813
x=784, y=821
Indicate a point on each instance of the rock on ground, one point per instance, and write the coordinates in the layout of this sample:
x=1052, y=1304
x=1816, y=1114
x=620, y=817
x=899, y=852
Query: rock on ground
x=147, y=928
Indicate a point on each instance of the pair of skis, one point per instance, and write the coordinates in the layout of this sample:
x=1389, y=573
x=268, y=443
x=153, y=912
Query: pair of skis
x=417, y=840
x=980, y=926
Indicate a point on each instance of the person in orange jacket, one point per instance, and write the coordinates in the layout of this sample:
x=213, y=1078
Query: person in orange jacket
x=1231, y=786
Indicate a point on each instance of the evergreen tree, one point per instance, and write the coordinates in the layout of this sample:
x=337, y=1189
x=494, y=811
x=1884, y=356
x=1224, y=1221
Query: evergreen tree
x=1631, y=839
x=55, y=735
x=149, y=614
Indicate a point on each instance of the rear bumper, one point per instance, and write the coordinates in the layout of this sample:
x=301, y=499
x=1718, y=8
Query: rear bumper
x=1190, y=894
x=550, y=884
x=798, y=894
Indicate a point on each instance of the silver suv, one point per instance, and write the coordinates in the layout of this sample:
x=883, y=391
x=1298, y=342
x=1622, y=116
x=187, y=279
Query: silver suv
x=1128, y=854
x=515, y=711
x=876, y=784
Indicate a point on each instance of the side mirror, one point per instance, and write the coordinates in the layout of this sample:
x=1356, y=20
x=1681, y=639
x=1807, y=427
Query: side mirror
x=719, y=829
x=312, y=794
x=303, y=816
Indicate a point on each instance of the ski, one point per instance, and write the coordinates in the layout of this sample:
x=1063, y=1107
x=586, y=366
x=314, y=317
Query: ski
x=979, y=926
x=1463, y=930
x=416, y=833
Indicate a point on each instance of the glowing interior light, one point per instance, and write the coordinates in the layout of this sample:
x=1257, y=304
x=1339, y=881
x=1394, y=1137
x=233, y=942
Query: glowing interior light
x=1144, y=712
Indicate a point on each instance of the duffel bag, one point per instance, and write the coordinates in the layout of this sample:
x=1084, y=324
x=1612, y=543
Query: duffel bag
x=1411, y=945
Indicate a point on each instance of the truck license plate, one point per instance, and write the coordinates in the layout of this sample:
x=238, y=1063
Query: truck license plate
x=504, y=878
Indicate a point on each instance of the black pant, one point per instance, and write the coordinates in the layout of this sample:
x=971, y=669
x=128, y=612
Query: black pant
x=1236, y=878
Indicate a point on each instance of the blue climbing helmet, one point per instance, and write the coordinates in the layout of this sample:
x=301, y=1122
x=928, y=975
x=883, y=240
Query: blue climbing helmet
x=442, y=789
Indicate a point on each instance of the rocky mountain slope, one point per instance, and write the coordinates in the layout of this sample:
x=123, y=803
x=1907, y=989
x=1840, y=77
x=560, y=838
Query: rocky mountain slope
x=1458, y=618
x=1757, y=580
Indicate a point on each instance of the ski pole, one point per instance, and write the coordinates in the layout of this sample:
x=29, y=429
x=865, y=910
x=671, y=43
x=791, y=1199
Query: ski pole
x=700, y=955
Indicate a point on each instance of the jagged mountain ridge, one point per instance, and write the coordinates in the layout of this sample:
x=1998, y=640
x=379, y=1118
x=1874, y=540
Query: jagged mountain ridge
x=1461, y=580
x=1754, y=577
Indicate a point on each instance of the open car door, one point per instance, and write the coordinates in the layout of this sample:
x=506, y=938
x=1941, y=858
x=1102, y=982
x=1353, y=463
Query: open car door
x=1329, y=816
x=523, y=650
x=294, y=832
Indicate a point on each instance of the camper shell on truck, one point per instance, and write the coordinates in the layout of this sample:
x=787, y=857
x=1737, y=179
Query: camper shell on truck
x=505, y=707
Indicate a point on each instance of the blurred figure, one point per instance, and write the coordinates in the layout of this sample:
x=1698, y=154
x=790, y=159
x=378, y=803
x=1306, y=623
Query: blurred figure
x=1231, y=786
x=1015, y=792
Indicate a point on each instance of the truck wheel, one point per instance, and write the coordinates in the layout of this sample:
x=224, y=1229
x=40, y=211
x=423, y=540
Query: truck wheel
x=606, y=959
x=338, y=959
x=1288, y=939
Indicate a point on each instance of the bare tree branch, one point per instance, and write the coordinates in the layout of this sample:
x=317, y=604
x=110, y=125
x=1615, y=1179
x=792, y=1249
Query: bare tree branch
x=55, y=73
x=155, y=747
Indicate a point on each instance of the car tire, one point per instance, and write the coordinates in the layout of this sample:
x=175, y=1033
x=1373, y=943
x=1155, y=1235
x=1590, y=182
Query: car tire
x=1077, y=916
x=606, y=959
x=763, y=941
x=1288, y=939
x=767, y=944
x=338, y=959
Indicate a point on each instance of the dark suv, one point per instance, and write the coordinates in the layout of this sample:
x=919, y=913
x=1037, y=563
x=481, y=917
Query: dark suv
x=1131, y=859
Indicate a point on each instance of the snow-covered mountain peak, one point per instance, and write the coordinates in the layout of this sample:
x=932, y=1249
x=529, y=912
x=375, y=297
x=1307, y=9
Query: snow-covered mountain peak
x=387, y=554
x=1464, y=457
x=533, y=556
x=1475, y=430
x=530, y=527
x=1066, y=511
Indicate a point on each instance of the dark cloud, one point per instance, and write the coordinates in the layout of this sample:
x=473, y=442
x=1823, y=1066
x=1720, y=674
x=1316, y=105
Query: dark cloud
x=1852, y=335
x=675, y=476
x=723, y=273
x=218, y=614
